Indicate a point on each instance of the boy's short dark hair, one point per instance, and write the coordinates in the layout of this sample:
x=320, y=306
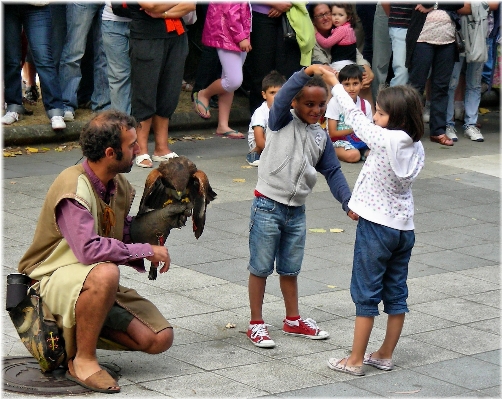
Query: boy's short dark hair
x=351, y=71
x=273, y=79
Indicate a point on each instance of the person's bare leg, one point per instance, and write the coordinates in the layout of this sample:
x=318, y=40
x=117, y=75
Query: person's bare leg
x=214, y=88
x=161, y=131
x=362, y=332
x=256, y=288
x=289, y=289
x=395, y=324
x=143, y=131
x=141, y=338
x=95, y=301
x=224, y=104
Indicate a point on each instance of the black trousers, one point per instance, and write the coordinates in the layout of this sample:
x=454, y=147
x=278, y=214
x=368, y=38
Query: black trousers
x=439, y=59
x=270, y=52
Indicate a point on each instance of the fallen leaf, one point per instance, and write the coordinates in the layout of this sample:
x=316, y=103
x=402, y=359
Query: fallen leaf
x=230, y=325
x=246, y=166
x=317, y=230
x=457, y=179
x=8, y=154
x=336, y=230
x=483, y=111
x=331, y=286
x=45, y=149
x=31, y=149
x=239, y=180
x=187, y=138
x=200, y=138
x=171, y=141
x=58, y=149
x=13, y=182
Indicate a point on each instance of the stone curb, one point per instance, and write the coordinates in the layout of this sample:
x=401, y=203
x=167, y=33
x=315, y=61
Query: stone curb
x=179, y=123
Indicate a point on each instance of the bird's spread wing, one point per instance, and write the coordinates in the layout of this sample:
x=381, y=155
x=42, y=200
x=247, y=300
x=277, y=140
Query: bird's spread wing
x=153, y=194
x=201, y=194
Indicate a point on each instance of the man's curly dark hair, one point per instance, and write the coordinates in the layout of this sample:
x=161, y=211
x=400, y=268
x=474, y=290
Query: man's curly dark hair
x=104, y=131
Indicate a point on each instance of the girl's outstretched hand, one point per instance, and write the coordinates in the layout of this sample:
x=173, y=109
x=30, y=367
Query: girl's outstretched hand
x=328, y=75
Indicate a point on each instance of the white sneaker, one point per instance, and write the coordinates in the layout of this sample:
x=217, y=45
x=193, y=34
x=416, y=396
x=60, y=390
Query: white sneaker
x=451, y=133
x=69, y=116
x=473, y=133
x=57, y=123
x=10, y=117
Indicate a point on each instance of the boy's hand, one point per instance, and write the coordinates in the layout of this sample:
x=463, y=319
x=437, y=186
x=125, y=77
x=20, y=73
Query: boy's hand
x=352, y=215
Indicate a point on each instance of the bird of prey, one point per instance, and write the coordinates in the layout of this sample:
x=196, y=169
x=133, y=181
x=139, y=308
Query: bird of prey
x=178, y=180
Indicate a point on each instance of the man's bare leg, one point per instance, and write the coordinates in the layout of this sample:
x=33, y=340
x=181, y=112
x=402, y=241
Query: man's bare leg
x=140, y=338
x=95, y=301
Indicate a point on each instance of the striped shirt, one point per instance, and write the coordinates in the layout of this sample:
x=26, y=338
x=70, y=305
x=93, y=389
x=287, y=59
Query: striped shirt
x=400, y=14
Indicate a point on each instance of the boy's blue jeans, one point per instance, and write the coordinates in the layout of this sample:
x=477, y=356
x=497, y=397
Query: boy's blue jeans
x=380, y=268
x=277, y=233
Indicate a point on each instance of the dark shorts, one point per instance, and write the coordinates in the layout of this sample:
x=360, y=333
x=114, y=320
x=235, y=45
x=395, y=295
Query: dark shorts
x=157, y=67
x=118, y=318
x=380, y=268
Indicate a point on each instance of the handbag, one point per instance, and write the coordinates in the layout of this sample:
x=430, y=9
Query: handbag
x=459, y=41
x=38, y=330
x=287, y=30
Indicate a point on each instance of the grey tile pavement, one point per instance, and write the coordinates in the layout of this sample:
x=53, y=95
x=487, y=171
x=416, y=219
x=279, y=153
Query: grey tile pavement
x=450, y=345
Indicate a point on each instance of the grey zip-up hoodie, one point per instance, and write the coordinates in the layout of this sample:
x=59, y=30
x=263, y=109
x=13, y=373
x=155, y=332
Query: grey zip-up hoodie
x=295, y=151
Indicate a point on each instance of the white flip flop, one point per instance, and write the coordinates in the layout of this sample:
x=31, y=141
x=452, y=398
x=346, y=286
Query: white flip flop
x=141, y=158
x=160, y=158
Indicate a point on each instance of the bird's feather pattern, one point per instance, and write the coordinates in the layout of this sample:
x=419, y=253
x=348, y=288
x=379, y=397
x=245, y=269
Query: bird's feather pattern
x=178, y=179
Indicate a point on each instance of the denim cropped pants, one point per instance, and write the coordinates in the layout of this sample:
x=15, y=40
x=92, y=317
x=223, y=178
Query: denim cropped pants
x=380, y=268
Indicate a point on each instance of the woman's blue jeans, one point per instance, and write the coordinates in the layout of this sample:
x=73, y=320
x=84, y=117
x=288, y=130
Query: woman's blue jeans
x=36, y=22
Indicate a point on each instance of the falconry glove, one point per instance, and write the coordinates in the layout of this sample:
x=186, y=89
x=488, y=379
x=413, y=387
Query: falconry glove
x=149, y=226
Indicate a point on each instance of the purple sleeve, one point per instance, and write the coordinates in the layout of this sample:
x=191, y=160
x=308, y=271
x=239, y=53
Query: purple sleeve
x=77, y=226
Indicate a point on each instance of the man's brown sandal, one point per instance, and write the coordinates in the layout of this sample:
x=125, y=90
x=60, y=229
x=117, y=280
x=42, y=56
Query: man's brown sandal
x=100, y=381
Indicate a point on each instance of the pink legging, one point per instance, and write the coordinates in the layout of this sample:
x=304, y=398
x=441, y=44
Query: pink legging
x=231, y=64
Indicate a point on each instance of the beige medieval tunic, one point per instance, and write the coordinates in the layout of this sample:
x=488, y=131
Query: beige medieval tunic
x=50, y=260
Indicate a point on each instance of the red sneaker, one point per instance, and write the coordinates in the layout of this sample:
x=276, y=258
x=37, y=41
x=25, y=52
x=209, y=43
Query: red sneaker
x=304, y=328
x=258, y=335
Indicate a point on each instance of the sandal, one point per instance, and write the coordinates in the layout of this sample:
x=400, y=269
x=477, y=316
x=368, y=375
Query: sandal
x=166, y=157
x=144, y=157
x=382, y=364
x=100, y=381
x=336, y=364
x=231, y=134
x=196, y=103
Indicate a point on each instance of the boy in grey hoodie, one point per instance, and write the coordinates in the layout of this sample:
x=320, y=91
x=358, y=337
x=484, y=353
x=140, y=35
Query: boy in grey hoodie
x=297, y=148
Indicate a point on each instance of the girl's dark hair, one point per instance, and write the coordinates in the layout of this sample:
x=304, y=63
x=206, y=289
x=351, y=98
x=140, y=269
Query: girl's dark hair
x=404, y=106
x=349, y=9
x=314, y=81
x=104, y=131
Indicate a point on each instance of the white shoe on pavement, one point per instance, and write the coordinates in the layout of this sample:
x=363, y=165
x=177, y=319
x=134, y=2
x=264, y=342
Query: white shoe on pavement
x=69, y=116
x=57, y=123
x=473, y=133
x=10, y=117
x=451, y=133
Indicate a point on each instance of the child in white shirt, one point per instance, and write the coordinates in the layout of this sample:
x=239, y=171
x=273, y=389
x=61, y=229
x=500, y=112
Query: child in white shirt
x=259, y=121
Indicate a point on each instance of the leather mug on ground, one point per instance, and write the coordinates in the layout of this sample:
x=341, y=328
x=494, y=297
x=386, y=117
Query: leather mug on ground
x=17, y=289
